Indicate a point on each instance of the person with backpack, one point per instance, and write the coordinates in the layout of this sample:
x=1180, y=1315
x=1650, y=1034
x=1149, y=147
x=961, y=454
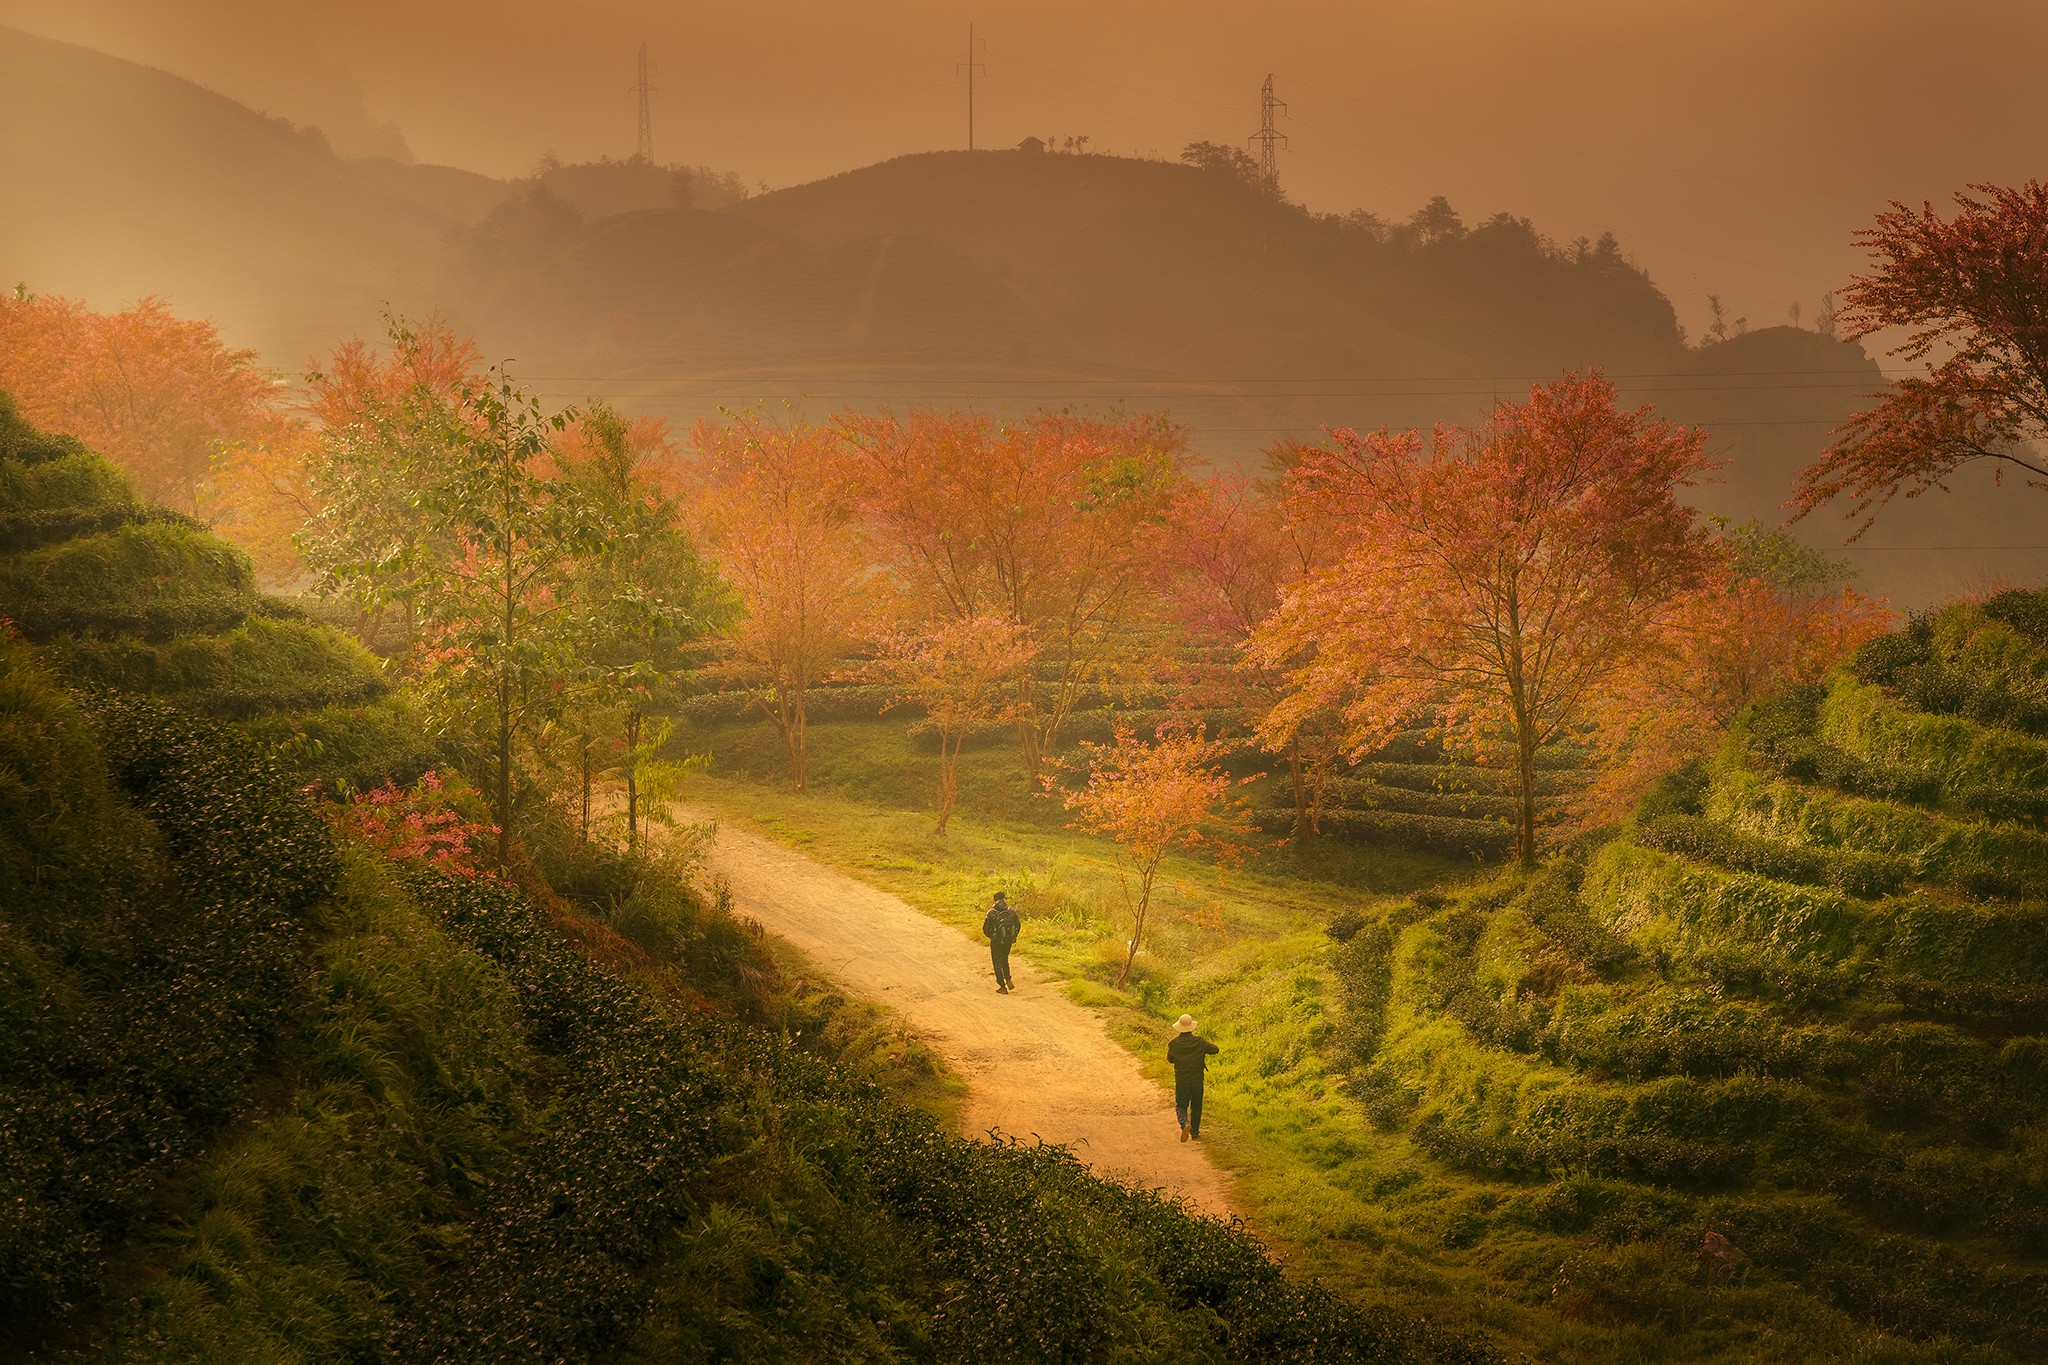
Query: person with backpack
x=1002, y=926
x=1190, y=1053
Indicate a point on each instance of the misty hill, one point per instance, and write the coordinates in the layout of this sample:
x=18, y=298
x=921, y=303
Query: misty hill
x=1015, y=280
x=957, y=266
x=1002, y=279
x=126, y=181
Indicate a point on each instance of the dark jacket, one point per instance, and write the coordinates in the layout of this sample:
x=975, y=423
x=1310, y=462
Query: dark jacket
x=1190, y=1053
x=1001, y=925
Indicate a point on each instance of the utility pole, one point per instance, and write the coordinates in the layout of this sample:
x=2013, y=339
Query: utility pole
x=971, y=67
x=1269, y=138
x=645, y=90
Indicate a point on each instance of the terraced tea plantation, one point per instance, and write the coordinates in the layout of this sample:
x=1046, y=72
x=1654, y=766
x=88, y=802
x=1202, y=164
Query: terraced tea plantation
x=1764, y=1076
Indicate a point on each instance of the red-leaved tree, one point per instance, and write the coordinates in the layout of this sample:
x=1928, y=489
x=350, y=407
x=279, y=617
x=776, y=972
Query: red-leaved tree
x=1772, y=614
x=159, y=395
x=1500, y=578
x=777, y=516
x=958, y=672
x=1972, y=293
x=1222, y=560
x=1152, y=799
x=1040, y=521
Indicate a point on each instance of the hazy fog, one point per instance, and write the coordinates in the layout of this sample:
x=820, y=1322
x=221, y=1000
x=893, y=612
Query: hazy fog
x=1733, y=145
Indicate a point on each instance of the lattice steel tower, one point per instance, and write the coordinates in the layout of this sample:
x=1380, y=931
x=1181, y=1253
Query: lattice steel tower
x=645, y=90
x=971, y=66
x=1269, y=138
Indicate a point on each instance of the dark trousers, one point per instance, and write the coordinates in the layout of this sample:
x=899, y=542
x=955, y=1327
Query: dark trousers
x=1187, y=1102
x=999, y=954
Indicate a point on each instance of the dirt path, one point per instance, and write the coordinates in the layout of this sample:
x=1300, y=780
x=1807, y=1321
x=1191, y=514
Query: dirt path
x=1034, y=1061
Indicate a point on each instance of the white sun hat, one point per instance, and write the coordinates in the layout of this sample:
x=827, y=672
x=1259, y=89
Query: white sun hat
x=1186, y=1023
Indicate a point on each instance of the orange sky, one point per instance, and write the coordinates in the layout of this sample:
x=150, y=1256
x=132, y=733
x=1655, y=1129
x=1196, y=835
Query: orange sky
x=1732, y=145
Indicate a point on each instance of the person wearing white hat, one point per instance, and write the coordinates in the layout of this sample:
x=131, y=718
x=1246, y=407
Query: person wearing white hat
x=1190, y=1053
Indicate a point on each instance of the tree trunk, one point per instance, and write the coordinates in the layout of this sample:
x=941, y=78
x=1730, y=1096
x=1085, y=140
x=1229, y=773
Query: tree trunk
x=802, y=755
x=583, y=757
x=949, y=779
x=1027, y=738
x=632, y=783
x=1522, y=708
x=504, y=774
x=1304, y=811
x=1138, y=923
x=790, y=719
x=509, y=595
x=1525, y=790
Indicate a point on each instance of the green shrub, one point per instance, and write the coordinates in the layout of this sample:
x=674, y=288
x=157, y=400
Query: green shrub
x=1682, y=791
x=1348, y=794
x=350, y=748
x=154, y=578
x=1955, y=754
x=1479, y=839
x=157, y=966
x=22, y=444
x=263, y=664
x=1864, y=875
x=2024, y=611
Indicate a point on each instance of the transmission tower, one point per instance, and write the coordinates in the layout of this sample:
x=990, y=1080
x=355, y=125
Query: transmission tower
x=1269, y=138
x=971, y=66
x=645, y=90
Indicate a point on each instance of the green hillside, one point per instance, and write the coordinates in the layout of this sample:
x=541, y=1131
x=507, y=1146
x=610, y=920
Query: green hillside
x=1764, y=1076
x=268, y=1094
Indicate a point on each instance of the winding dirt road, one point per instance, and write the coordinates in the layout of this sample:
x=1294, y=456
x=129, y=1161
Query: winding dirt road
x=1034, y=1061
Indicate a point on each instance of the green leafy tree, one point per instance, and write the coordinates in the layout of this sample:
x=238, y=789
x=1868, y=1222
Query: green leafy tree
x=463, y=516
x=648, y=603
x=384, y=421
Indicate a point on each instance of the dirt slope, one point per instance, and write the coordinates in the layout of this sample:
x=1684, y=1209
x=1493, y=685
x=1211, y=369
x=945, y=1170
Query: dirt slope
x=1035, y=1062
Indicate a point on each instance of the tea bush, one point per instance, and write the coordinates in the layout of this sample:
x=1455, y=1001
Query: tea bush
x=263, y=664
x=1478, y=839
x=1864, y=875
x=1468, y=805
x=1785, y=1031
x=159, y=903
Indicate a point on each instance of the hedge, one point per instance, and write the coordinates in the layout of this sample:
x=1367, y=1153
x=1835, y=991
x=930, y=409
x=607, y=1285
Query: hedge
x=1354, y=793
x=23, y=444
x=265, y=663
x=1864, y=875
x=1456, y=777
x=1481, y=839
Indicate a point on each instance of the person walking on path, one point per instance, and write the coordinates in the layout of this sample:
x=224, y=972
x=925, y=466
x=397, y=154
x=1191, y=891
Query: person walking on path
x=1190, y=1053
x=1001, y=925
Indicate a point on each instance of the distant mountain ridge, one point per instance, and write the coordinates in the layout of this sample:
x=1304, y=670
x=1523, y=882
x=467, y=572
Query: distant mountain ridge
x=130, y=182
x=1007, y=280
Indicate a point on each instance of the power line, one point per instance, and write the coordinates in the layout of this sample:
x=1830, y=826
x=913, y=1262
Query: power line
x=1230, y=388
